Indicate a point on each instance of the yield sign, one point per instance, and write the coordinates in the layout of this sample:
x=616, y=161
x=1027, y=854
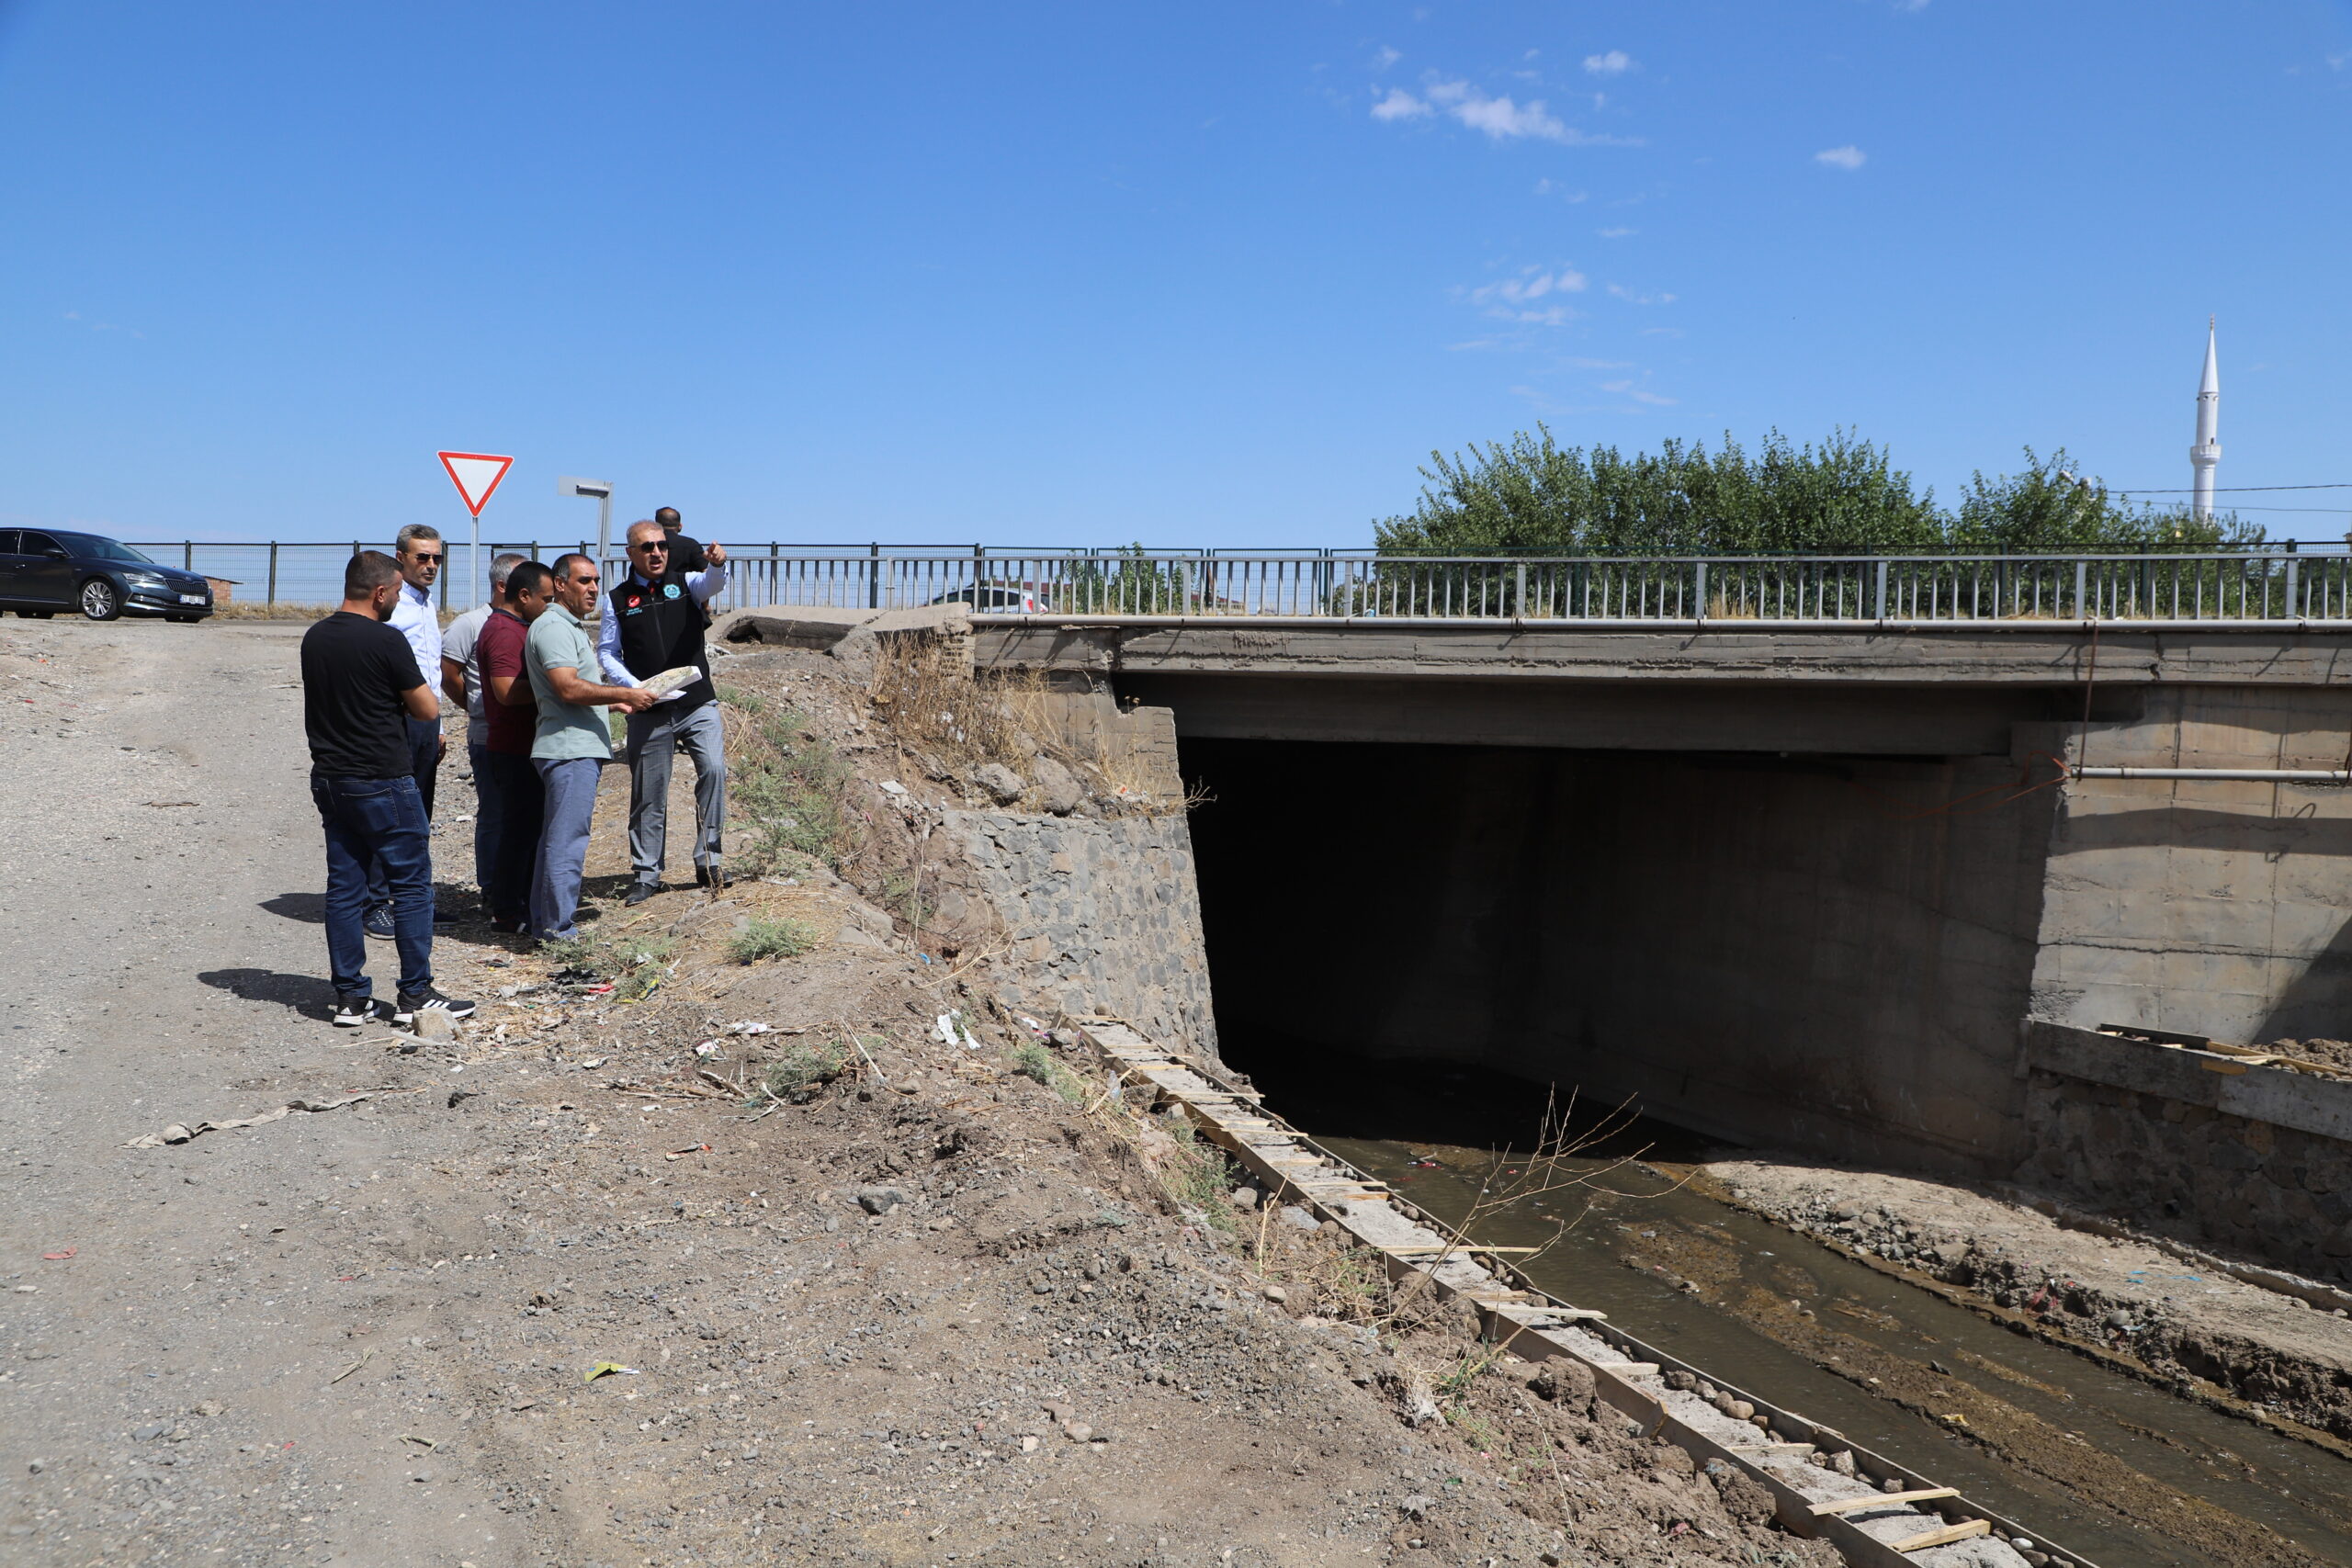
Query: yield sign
x=476, y=475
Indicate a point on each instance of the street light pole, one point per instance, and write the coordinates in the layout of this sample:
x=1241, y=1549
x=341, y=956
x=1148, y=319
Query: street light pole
x=603, y=492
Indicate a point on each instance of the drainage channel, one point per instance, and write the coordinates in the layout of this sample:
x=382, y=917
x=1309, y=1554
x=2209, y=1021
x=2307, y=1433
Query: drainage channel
x=2117, y=1470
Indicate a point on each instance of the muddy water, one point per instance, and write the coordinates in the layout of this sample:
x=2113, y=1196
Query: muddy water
x=2107, y=1465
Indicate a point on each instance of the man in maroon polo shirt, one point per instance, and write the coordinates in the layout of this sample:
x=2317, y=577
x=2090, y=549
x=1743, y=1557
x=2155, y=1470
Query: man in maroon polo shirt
x=508, y=785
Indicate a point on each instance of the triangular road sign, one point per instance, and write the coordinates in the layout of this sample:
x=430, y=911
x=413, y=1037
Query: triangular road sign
x=476, y=475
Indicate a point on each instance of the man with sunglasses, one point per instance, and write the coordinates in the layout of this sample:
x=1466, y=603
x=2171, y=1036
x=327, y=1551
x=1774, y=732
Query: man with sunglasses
x=418, y=551
x=653, y=623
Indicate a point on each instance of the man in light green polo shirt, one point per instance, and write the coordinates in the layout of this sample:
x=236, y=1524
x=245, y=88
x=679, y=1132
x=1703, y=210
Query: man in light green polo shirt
x=572, y=743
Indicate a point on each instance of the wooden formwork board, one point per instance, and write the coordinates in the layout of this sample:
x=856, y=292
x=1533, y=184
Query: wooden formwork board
x=1538, y=1327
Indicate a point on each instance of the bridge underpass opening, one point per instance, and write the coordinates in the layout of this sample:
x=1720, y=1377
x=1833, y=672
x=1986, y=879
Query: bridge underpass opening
x=1809, y=952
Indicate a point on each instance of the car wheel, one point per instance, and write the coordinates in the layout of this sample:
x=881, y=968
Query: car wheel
x=100, y=600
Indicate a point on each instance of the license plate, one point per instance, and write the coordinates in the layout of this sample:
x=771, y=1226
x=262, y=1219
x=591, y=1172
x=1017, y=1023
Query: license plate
x=191, y=598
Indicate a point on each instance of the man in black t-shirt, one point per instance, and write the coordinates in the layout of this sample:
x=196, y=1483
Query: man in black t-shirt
x=685, y=551
x=360, y=686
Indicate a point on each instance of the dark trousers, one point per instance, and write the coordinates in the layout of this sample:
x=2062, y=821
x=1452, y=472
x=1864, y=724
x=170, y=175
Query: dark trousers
x=425, y=764
x=485, y=819
x=514, y=805
x=377, y=826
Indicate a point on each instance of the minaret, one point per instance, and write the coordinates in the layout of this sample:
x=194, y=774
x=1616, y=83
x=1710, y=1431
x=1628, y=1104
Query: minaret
x=2206, y=455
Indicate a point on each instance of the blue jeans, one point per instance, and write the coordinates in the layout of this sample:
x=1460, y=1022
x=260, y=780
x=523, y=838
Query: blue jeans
x=570, y=784
x=512, y=806
x=379, y=825
x=424, y=766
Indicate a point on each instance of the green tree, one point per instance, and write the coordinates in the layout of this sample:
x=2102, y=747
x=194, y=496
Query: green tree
x=1532, y=496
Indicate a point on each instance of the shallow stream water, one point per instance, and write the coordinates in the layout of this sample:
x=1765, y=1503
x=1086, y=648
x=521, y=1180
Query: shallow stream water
x=2111, y=1467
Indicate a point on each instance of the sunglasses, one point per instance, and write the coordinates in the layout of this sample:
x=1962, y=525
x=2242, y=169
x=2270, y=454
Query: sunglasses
x=650, y=548
x=433, y=559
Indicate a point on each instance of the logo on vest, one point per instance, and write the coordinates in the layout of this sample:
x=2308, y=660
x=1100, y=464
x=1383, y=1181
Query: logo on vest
x=669, y=590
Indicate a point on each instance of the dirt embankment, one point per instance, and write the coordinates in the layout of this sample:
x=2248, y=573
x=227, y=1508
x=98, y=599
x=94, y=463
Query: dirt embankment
x=881, y=1272
x=2256, y=1351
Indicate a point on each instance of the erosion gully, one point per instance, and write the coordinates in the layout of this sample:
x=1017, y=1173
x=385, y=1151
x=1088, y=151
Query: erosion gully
x=2107, y=1465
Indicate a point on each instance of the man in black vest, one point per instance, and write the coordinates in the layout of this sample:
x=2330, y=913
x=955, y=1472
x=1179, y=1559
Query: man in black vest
x=653, y=623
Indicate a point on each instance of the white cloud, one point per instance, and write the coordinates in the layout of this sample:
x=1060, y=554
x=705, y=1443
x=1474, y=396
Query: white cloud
x=1505, y=118
x=1548, y=186
x=1399, y=105
x=1600, y=363
x=1615, y=233
x=1616, y=62
x=1532, y=284
x=1621, y=292
x=1849, y=157
x=1386, y=58
x=2339, y=61
x=1627, y=390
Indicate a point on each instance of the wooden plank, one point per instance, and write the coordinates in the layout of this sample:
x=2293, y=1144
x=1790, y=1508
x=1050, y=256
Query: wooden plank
x=1943, y=1536
x=1885, y=1499
x=1767, y=1451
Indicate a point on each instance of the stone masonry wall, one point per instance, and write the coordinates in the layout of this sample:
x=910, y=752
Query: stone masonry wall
x=2268, y=1192
x=1100, y=914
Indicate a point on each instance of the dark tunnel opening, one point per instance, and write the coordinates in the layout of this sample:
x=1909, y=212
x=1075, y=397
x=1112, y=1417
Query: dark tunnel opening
x=1817, y=953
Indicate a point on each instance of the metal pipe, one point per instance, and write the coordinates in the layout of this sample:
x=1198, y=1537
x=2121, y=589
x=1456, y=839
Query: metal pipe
x=2221, y=775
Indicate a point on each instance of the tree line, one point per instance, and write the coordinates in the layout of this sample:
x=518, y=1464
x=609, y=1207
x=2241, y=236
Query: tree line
x=1532, y=496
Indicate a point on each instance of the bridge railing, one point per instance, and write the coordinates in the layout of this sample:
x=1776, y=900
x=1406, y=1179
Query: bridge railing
x=2234, y=586
x=2226, y=586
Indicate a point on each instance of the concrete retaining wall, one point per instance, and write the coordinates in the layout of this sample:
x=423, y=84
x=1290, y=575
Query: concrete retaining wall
x=2256, y=1159
x=1099, y=915
x=2201, y=907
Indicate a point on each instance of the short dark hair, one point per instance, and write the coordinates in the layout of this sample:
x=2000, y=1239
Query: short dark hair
x=563, y=564
x=368, y=571
x=530, y=577
x=669, y=519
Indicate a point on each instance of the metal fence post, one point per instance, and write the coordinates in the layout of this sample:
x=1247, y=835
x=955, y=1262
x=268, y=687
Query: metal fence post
x=273, y=572
x=2082, y=576
x=1700, y=588
x=1881, y=589
x=874, y=577
x=2292, y=576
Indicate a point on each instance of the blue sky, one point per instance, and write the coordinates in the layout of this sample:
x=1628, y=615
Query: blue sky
x=1199, y=274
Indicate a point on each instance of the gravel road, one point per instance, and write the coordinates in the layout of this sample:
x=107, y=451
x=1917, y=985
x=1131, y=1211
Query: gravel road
x=166, y=1384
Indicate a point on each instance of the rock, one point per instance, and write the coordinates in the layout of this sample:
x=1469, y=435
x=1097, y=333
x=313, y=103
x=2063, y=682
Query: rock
x=1243, y=1197
x=1058, y=787
x=1298, y=1217
x=151, y=1431
x=1004, y=785
x=1079, y=1432
x=878, y=1200
x=34, y=1468
x=1276, y=1295
x=1417, y=1507
x=1029, y=1444
x=435, y=1023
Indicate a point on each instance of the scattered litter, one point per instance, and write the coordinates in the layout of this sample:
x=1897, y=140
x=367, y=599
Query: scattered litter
x=706, y=1050
x=365, y=1357
x=591, y=1065
x=59, y=1256
x=605, y=989
x=603, y=1368
x=889, y=786
x=689, y=1149
x=748, y=1026
x=421, y=1442
x=950, y=1030
x=179, y=1134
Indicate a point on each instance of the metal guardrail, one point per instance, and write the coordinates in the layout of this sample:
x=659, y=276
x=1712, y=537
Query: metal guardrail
x=2212, y=589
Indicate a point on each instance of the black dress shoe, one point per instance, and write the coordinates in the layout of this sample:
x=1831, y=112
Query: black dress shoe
x=638, y=891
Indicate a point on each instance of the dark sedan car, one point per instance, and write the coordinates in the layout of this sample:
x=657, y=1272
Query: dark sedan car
x=43, y=571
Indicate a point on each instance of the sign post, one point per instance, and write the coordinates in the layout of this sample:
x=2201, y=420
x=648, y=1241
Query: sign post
x=476, y=475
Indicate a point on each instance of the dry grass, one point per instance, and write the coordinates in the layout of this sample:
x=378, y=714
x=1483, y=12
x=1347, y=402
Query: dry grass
x=932, y=705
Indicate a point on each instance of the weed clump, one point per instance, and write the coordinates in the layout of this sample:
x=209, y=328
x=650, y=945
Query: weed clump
x=790, y=788
x=770, y=936
x=1199, y=1177
x=1033, y=1061
x=804, y=1068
